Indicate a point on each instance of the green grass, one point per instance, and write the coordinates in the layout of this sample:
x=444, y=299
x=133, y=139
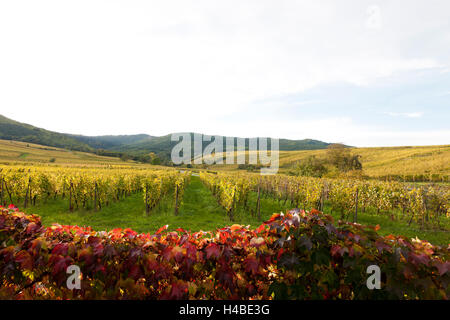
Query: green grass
x=200, y=211
x=399, y=226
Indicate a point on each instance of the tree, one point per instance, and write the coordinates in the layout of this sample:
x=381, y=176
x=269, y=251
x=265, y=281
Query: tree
x=124, y=157
x=156, y=160
x=341, y=157
x=311, y=167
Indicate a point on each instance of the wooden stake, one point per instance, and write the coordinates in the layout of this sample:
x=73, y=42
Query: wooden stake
x=95, y=197
x=258, y=204
x=70, y=196
x=147, y=209
x=1, y=192
x=176, y=199
x=27, y=193
x=7, y=190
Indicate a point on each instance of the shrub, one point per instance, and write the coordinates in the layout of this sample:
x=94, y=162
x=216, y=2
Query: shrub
x=295, y=256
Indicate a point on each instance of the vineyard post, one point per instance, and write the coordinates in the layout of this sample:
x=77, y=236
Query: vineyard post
x=258, y=204
x=147, y=209
x=7, y=190
x=95, y=196
x=70, y=196
x=322, y=195
x=1, y=192
x=424, y=210
x=232, y=205
x=27, y=193
x=176, y=199
x=285, y=193
x=355, y=218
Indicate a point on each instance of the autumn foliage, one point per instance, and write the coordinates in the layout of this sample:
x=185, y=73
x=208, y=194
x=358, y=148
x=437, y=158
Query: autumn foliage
x=297, y=255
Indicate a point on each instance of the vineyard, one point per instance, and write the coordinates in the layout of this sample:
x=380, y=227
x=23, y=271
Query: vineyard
x=88, y=188
x=241, y=159
x=301, y=254
x=425, y=205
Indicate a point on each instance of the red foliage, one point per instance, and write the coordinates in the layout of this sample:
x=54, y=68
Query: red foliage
x=231, y=263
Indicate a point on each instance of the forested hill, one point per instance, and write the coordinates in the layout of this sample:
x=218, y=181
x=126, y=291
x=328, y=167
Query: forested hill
x=136, y=146
x=13, y=130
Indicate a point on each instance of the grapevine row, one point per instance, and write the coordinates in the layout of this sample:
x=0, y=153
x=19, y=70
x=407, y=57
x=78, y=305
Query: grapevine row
x=346, y=196
x=87, y=188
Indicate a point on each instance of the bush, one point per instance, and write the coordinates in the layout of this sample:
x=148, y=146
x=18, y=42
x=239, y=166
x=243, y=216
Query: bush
x=340, y=157
x=296, y=256
x=311, y=167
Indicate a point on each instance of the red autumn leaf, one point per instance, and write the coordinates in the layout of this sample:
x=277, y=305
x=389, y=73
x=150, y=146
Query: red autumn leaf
x=60, y=249
x=86, y=256
x=98, y=249
x=162, y=229
x=235, y=227
x=135, y=272
x=100, y=268
x=36, y=246
x=109, y=251
x=223, y=235
x=274, y=217
x=178, y=253
x=24, y=259
x=280, y=253
x=418, y=258
x=251, y=265
x=335, y=250
x=191, y=250
x=59, y=264
x=212, y=250
x=178, y=290
x=167, y=253
x=381, y=245
x=93, y=241
x=226, y=276
x=129, y=233
x=261, y=228
x=32, y=228
x=443, y=267
x=408, y=272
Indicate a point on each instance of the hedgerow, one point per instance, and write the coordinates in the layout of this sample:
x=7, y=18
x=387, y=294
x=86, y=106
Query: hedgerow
x=297, y=255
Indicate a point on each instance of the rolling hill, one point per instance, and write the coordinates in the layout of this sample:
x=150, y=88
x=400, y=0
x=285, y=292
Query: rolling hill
x=418, y=163
x=13, y=130
x=18, y=153
x=135, y=146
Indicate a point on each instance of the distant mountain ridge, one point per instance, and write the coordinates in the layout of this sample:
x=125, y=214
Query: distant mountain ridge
x=137, y=146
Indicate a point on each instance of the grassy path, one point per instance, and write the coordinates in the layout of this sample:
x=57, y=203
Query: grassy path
x=199, y=211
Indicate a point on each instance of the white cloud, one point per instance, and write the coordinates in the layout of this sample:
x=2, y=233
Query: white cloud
x=118, y=67
x=406, y=114
x=343, y=130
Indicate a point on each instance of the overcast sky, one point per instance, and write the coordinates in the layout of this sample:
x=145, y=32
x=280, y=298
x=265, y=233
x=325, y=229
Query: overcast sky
x=366, y=73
